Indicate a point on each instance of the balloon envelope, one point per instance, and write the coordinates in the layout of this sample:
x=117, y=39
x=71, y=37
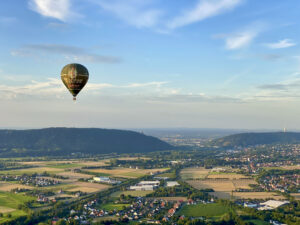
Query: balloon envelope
x=74, y=76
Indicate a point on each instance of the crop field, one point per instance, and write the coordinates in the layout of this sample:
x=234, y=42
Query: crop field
x=230, y=176
x=32, y=171
x=110, y=207
x=88, y=187
x=296, y=196
x=257, y=195
x=194, y=173
x=296, y=167
x=169, y=175
x=226, y=189
x=175, y=199
x=75, y=176
x=132, y=193
x=258, y=222
x=206, y=210
x=6, y=186
x=127, y=172
x=9, y=204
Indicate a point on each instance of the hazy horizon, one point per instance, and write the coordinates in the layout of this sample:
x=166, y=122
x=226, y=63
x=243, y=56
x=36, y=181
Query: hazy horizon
x=229, y=64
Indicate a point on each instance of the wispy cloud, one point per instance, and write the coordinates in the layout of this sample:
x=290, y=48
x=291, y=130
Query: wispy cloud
x=203, y=10
x=69, y=52
x=53, y=87
x=240, y=40
x=134, y=12
x=243, y=38
x=58, y=9
x=285, y=43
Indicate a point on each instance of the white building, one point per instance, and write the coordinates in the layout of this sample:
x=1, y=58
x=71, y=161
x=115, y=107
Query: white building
x=106, y=180
x=142, y=188
x=153, y=183
x=172, y=183
x=145, y=186
x=272, y=204
x=101, y=179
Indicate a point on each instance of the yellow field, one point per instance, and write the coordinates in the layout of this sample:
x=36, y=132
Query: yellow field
x=184, y=199
x=32, y=170
x=127, y=172
x=217, y=185
x=6, y=209
x=225, y=188
x=75, y=176
x=132, y=193
x=296, y=196
x=88, y=187
x=257, y=195
x=230, y=176
x=194, y=173
x=5, y=186
x=296, y=167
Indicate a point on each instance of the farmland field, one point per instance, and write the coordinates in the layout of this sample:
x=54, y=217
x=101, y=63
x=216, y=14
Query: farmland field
x=110, y=207
x=127, y=172
x=32, y=171
x=230, y=176
x=194, y=173
x=9, y=204
x=225, y=188
x=5, y=186
x=296, y=196
x=207, y=210
x=88, y=187
x=132, y=193
x=222, y=185
x=247, y=195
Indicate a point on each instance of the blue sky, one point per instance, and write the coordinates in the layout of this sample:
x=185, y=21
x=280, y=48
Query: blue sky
x=152, y=63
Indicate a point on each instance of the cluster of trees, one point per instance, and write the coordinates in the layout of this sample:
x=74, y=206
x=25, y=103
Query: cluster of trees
x=183, y=190
x=140, y=163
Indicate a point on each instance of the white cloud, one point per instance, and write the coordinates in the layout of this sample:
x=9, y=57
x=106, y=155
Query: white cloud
x=134, y=12
x=203, y=10
x=285, y=43
x=240, y=40
x=71, y=53
x=58, y=9
x=138, y=85
x=54, y=87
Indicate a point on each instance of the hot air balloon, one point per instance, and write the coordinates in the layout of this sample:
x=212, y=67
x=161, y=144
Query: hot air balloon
x=74, y=76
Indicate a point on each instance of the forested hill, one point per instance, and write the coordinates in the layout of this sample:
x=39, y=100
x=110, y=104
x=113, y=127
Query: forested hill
x=63, y=141
x=250, y=139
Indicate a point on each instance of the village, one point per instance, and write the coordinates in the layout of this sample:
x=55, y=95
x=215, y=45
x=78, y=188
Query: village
x=31, y=180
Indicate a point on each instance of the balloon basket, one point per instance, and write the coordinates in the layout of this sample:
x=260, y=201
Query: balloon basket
x=74, y=99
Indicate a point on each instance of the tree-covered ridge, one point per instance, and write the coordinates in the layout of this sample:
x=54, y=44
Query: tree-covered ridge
x=63, y=141
x=251, y=139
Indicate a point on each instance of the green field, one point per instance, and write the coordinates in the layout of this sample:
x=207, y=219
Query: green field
x=110, y=207
x=132, y=193
x=258, y=222
x=9, y=205
x=64, y=165
x=133, y=174
x=206, y=210
x=27, y=171
x=169, y=175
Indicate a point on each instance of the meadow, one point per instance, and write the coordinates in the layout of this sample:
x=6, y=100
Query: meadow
x=224, y=184
x=126, y=172
x=132, y=193
x=203, y=210
x=9, y=203
x=110, y=207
